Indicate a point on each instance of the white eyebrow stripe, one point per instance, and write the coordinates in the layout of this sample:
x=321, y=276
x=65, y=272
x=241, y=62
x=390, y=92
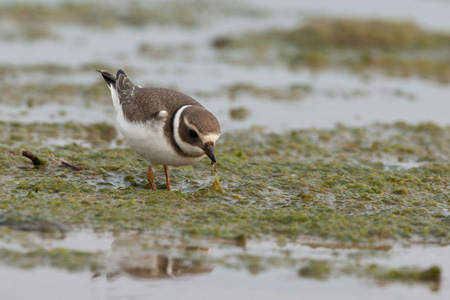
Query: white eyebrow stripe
x=212, y=137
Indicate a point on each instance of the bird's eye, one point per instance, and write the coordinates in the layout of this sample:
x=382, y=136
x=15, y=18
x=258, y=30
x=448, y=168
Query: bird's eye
x=193, y=134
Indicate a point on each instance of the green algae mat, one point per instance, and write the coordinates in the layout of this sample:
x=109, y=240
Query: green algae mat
x=356, y=185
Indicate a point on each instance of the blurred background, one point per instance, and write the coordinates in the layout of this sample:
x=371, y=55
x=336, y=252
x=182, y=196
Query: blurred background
x=276, y=64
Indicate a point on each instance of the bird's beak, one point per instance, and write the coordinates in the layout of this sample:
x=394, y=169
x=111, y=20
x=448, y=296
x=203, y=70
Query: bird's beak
x=209, y=150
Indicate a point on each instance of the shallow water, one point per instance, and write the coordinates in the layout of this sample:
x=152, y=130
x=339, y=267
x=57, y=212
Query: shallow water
x=214, y=270
x=336, y=97
x=56, y=113
x=221, y=284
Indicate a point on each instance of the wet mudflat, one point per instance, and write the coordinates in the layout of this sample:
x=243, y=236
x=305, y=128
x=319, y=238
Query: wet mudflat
x=325, y=205
x=333, y=161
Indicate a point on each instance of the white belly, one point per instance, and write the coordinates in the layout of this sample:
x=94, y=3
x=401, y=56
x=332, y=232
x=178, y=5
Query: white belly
x=149, y=141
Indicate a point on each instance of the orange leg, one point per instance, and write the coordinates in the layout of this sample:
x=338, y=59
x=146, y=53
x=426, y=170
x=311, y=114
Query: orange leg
x=166, y=170
x=151, y=178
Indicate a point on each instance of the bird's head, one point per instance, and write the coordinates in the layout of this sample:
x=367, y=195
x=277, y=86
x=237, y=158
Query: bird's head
x=196, y=131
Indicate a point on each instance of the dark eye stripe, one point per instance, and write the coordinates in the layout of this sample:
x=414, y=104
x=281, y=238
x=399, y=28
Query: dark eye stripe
x=193, y=134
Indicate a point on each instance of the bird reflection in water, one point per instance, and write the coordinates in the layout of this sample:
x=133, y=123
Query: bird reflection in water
x=160, y=257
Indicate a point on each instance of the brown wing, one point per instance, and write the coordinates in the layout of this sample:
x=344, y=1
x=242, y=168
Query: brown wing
x=144, y=104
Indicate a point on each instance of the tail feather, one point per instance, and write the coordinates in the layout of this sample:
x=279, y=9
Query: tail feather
x=111, y=82
x=109, y=78
x=119, y=72
x=121, y=87
x=123, y=84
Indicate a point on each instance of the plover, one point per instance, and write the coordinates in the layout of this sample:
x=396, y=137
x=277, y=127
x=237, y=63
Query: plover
x=164, y=126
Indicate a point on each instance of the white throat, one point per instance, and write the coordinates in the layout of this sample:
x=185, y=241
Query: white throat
x=185, y=147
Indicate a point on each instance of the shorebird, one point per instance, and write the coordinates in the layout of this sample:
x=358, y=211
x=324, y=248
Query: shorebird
x=163, y=126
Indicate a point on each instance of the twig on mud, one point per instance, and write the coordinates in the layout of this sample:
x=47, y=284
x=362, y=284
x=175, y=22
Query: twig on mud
x=36, y=161
x=76, y=168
